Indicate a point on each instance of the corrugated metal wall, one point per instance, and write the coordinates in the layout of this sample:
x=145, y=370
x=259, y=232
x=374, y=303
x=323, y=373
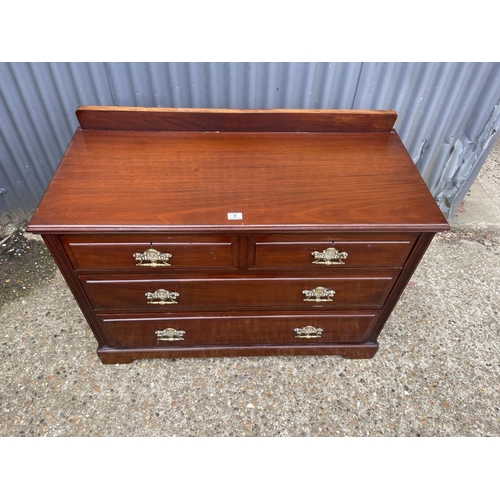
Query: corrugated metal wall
x=449, y=113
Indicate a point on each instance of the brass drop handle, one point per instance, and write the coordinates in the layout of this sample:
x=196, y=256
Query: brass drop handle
x=329, y=257
x=319, y=294
x=308, y=332
x=170, y=334
x=152, y=258
x=161, y=297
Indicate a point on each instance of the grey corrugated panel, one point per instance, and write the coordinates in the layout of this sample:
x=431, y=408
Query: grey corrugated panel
x=442, y=108
x=31, y=136
x=446, y=110
x=234, y=85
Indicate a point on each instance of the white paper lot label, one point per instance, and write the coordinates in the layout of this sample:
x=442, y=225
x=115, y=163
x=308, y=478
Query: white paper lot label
x=234, y=216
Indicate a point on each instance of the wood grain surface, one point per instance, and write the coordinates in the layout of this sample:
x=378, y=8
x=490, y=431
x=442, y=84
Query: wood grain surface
x=234, y=120
x=237, y=329
x=124, y=293
x=135, y=181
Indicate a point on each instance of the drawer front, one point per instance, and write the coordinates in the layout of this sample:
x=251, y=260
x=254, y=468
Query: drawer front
x=240, y=329
x=244, y=293
x=152, y=253
x=327, y=253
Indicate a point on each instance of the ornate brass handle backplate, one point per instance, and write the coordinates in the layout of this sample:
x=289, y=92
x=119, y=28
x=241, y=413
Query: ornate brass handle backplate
x=162, y=297
x=152, y=258
x=329, y=257
x=170, y=334
x=319, y=294
x=308, y=332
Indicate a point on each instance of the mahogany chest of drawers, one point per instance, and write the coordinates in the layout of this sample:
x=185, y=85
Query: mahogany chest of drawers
x=197, y=232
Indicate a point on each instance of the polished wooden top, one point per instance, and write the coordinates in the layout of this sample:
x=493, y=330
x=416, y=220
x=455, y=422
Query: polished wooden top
x=141, y=180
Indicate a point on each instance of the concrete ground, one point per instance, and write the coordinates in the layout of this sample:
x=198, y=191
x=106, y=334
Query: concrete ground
x=436, y=373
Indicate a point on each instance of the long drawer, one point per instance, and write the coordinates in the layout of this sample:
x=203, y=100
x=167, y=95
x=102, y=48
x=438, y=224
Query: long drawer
x=151, y=253
x=129, y=293
x=237, y=329
x=327, y=253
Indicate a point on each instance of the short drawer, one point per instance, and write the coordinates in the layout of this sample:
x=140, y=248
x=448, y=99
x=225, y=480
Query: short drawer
x=151, y=253
x=242, y=329
x=121, y=294
x=330, y=252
